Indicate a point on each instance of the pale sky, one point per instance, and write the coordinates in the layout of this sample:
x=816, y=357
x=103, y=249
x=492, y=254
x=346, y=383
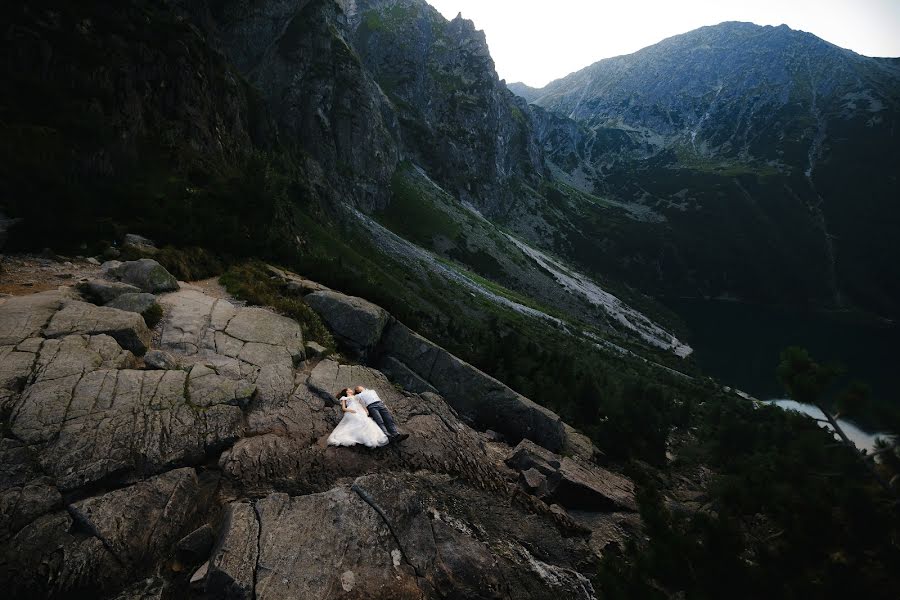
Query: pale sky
x=537, y=41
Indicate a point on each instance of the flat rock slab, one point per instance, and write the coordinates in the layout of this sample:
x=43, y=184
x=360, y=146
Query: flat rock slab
x=124, y=423
x=572, y=483
x=23, y=317
x=347, y=551
x=127, y=328
x=239, y=340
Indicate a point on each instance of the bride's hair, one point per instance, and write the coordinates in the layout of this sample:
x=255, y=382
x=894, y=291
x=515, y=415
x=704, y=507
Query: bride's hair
x=343, y=393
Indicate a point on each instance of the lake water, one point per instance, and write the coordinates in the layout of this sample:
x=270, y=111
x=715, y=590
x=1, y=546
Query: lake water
x=862, y=439
x=740, y=344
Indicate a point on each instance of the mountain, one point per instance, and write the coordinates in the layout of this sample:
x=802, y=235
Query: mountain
x=525, y=91
x=436, y=238
x=769, y=153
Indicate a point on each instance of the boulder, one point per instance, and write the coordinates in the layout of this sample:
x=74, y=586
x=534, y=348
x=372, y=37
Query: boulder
x=127, y=328
x=139, y=243
x=571, y=483
x=478, y=397
x=356, y=323
x=197, y=545
x=158, y=359
x=102, y=291
x=314, y=349
x=146, y=274
x=142, y=303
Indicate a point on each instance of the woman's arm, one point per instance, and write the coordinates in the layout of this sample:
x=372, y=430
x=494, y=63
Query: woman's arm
x=344, y=406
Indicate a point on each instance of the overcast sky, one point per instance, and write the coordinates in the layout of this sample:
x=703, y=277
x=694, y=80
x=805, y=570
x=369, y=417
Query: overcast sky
x=537, y=41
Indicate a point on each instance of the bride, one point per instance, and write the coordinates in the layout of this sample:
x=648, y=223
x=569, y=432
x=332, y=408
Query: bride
x=356, y=427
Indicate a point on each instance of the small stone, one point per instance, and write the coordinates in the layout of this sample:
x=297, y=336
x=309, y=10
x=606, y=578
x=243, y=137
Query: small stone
x=198, y=579
x=160, y=361
x=534, y=481
x=314, y=349
x=111, y=253
x=93, y=261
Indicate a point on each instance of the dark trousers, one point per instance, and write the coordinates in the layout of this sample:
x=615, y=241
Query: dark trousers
x=381, y=415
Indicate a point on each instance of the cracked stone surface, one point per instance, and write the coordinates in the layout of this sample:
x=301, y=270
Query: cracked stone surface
x=108, y=466
x=127, y=328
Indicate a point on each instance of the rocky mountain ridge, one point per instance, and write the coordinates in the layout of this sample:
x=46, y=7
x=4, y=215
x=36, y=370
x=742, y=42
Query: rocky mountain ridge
x=790, y=134
x=208, y=471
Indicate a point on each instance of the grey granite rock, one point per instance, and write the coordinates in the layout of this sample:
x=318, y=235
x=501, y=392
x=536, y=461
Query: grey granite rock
x=146, y=274
x=102, y=291
x=127, y=328
x=572, y=483
x=158, y=359
x=355, y=322
x=143, y=304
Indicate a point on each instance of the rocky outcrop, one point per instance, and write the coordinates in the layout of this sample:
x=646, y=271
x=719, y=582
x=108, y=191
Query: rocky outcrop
x=127, y=328
x=111, y=474
x=143, y=304
x=102, y=291
x=420, y=365
x=355, y=322
x=146, y=274
x=570, y=482
x=457, y=118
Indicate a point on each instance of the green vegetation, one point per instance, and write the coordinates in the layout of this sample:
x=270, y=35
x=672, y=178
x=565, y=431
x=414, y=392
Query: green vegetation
x=153, y=315
x=414, y=214
x=186, y=264
x=789, y=513
x=253, y=283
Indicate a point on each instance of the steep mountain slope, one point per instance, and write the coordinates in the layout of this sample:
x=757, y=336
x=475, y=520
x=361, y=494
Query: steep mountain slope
x=768, y=148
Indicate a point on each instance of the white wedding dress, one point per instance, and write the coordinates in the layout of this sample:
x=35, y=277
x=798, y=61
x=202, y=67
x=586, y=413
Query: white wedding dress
x=357, y=428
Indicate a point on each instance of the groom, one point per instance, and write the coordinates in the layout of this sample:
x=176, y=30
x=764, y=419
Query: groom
x=379, y=413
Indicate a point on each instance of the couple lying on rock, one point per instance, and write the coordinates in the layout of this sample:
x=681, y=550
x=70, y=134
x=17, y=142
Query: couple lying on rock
x=366, y=420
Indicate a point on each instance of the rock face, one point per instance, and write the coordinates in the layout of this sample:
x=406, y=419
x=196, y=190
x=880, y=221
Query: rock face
x=109, y=474
x=422, y=366
x=712, y=147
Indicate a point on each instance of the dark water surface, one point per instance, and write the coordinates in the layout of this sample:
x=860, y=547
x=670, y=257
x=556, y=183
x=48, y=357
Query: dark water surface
x=739, y=344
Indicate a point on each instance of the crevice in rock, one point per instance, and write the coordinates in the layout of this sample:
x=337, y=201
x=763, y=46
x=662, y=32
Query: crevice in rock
x=258, y=546
x=82, y=523
x=371, y=502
